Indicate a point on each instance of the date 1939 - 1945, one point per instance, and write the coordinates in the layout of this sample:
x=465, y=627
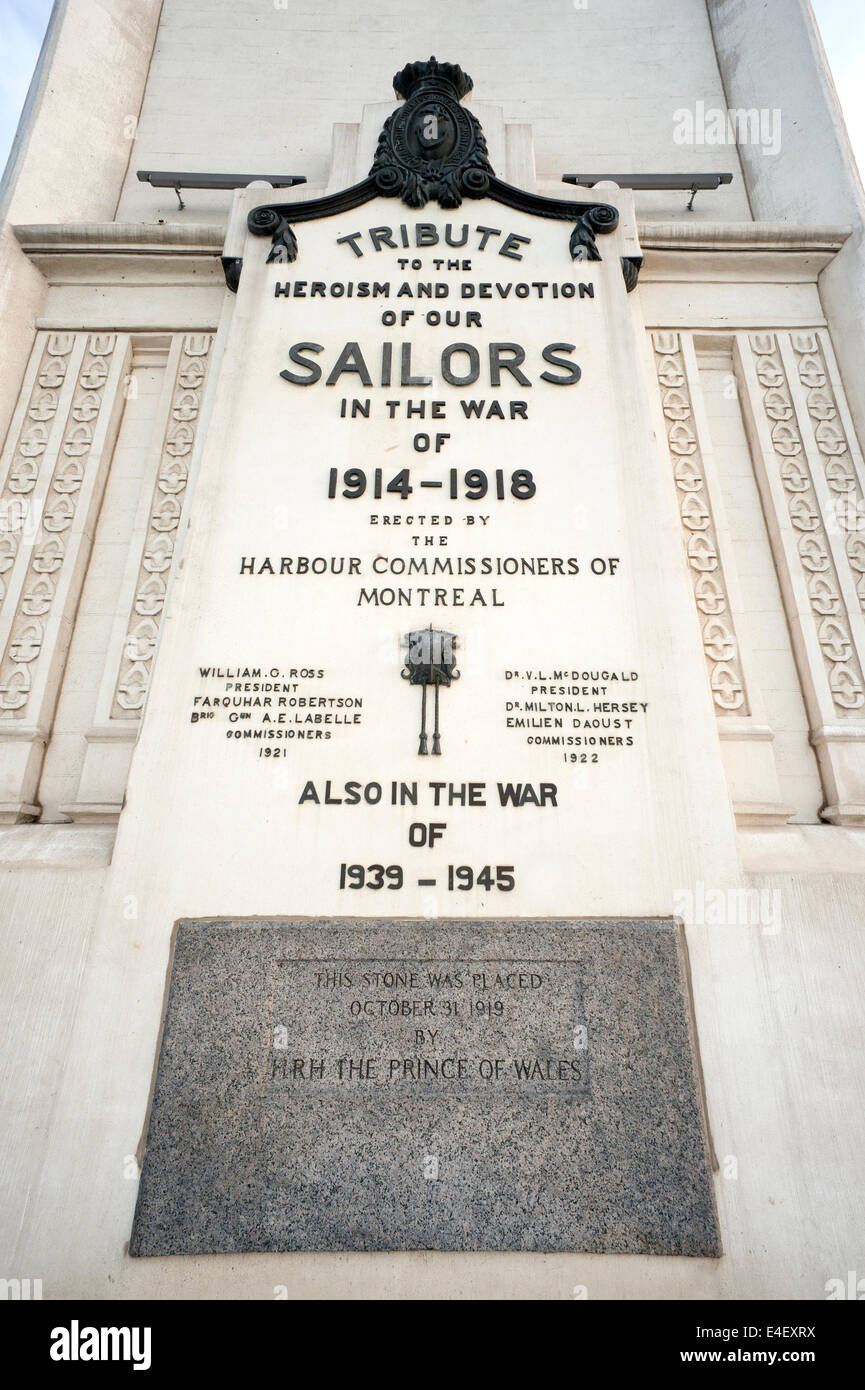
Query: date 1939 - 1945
x=460, y=877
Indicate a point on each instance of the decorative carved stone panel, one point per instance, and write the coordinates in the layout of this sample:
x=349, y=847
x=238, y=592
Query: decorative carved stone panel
x=812, y=546
x=699, y=534
x=51, y=545
x=158, y=552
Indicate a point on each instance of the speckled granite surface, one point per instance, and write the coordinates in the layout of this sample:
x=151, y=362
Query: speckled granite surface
x=406, y=1085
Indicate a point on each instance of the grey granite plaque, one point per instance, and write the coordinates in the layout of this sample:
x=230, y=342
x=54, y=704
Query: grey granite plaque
x=356, y=1085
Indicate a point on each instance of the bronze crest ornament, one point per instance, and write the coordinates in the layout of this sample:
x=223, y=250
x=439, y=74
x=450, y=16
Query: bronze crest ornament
x=432, y=149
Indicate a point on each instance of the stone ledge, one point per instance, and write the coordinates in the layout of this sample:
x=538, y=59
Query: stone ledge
x=99, y=238
x=193, y=238
x=802, y=849
x=742, y=236
x=56, y=846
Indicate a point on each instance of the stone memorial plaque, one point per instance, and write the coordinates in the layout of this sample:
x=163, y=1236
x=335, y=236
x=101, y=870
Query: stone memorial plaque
x=357, y=1085
x=427, y=664
x=426, y=681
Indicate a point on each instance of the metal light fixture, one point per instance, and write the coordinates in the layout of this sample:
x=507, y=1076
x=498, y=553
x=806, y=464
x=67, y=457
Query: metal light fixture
x=692, y=183
x=430, y=660
x=164, y=178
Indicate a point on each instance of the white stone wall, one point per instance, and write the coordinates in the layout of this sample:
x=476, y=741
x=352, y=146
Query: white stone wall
x=71, y=152
x=814, y=177
x=255, y=86
x=51, y=882
x=778, y=1004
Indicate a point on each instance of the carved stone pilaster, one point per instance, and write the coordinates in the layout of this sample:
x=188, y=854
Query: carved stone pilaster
x=817, y=583
x=157, y=559
x=833, y=447
x=746, y=739
x=699, y=534
x=150, y=566
x=51, y=559
x=29, y=441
